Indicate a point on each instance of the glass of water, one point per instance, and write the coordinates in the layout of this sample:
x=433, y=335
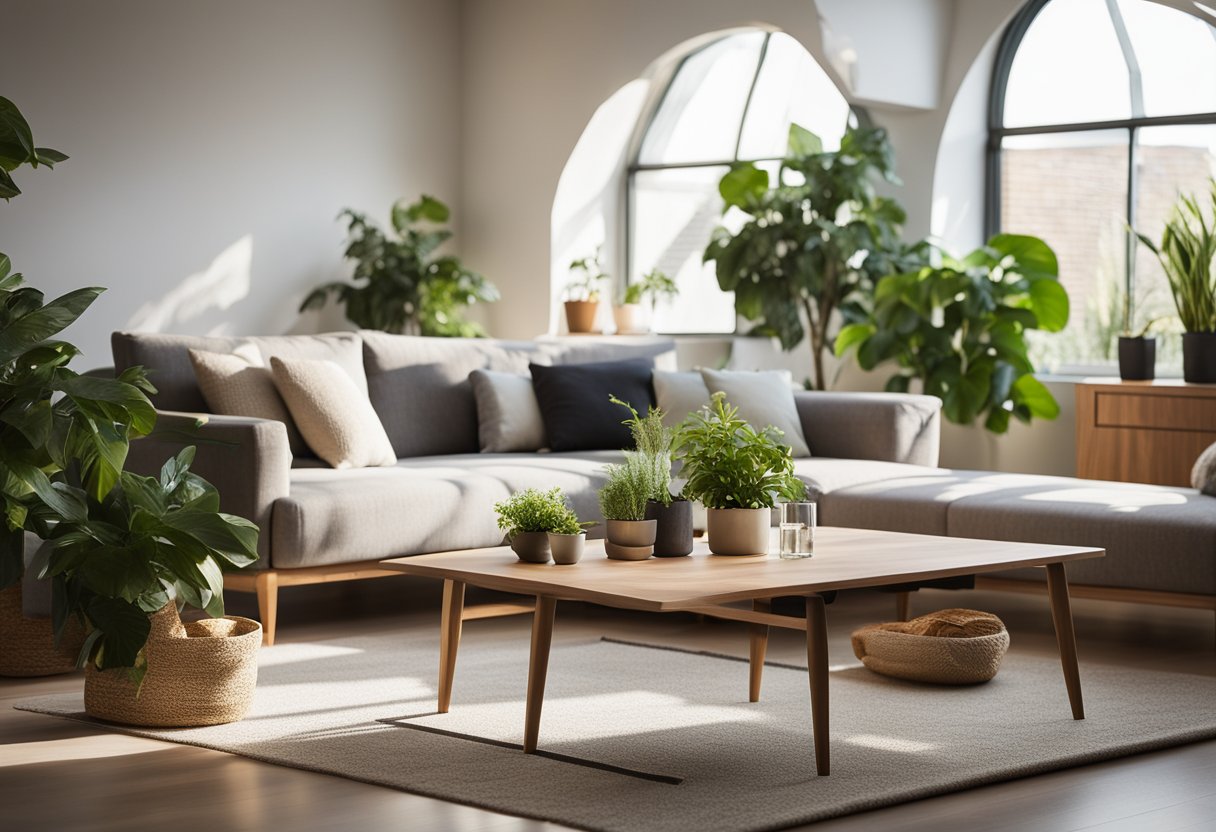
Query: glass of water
x=797, y=530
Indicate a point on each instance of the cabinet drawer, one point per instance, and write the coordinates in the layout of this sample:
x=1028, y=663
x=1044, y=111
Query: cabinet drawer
x=1128, y=410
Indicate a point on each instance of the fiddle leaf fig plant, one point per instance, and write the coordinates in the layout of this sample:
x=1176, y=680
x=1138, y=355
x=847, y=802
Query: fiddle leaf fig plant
x=17, y=148
x=400, y=285
x=960, y=328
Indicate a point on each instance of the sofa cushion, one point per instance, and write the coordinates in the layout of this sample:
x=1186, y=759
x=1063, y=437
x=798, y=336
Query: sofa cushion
x=1155, y=537
x=886, y=496
x=575, y=402
x=508, y=417
x=1203, y=474
x=428, y=504
x=240, y=384
x=764, y=398
x=679, y=394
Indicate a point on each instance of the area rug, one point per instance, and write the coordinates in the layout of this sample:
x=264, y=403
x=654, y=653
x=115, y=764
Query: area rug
x=637, y=737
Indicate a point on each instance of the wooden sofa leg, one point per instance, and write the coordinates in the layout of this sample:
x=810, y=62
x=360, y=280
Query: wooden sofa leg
x=902, y=603
x=267, y=587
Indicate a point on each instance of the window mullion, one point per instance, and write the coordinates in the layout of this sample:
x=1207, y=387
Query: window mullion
x=1135, y=80
x=751, y=91
x=1130, y=266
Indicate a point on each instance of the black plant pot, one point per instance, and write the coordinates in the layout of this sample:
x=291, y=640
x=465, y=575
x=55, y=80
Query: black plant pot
x=673, y=537
x=1199, y=357
x=1137, y=359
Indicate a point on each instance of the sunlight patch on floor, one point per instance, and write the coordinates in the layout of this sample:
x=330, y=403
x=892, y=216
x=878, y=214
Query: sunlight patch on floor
x=74, y=748
x=895, y=744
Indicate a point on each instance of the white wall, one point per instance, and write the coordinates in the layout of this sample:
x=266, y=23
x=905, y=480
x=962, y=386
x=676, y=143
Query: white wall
x=223, y=129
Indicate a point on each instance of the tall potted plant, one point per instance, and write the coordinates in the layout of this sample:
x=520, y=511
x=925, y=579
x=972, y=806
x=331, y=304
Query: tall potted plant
x=400, y=286
x=960, y=329
x=738, y=473
x=623, y=499
x=813, y=239
x=1187, y=253
x=582, y=294
x=672, y=515
x=633, y=316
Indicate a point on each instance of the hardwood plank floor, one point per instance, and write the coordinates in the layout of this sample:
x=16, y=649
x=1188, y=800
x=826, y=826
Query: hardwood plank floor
x=58, y=775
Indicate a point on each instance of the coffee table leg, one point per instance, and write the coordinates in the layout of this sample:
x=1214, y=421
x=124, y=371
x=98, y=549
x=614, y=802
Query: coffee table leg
x=1061, y=617
x=817, y=665
x=449, y=639
x=538, y=667
x=759, y=646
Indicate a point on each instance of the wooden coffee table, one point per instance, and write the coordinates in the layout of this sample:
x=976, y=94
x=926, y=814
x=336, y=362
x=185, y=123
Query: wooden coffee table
x=715, y=586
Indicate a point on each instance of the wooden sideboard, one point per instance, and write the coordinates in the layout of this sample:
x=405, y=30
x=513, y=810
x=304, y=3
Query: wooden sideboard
x=1143, y=431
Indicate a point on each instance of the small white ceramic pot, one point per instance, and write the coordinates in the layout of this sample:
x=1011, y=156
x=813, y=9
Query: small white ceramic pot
x=567, y=549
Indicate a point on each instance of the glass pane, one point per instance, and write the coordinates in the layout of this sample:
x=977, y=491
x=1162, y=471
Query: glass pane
x=1068, y=68
x=674, y=212
x=791, y=88
x=699, y=118
x=1169, y=161
x=1071, y=190
x=1177, y=57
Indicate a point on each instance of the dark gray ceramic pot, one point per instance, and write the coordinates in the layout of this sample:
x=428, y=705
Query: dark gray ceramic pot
x=673, y=532
x=1199, y=357
x=532, y=547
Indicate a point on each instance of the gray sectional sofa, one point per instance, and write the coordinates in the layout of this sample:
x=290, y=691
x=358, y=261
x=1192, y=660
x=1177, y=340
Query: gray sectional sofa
x=873, y=465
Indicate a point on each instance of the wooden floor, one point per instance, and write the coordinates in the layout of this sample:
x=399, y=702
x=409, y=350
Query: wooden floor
x=59, y=775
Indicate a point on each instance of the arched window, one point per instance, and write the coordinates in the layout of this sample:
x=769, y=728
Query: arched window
x=731, y=100
x=1102, y=111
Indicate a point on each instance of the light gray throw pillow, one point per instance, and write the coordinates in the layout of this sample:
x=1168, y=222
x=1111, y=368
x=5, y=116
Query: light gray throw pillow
x=763, y=398
x=678, y=394
x=1203, y=475
x=508, y=417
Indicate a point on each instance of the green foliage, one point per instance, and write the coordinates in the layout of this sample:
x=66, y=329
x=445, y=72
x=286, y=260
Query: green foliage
x=730, y=464
x=629, y=487
x=1188, y=255
x=653, y=440
x=814, y=240
x=587, y=286
x=17, y=148
x=148, y=541
x=533, y=510
x=400, y=286
x=961, y=329
x=653, y=285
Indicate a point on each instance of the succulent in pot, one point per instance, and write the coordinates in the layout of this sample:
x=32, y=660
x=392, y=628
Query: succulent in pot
x=623, y=499
x=738, y=472
x=529, y=517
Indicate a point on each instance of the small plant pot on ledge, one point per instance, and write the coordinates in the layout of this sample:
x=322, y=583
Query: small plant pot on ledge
x=630, y=319
x=567, y=549
x=531, y=547
x=1137, y=358
x=739, y=531
x=673, y=532
x=581, y=315
x=1199, y=357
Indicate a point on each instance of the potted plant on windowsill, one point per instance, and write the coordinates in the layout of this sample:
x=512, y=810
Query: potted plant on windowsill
x=533, y=520
x=1137, y=355
x=634, y=315
x=1187, y=253
x=623, y=499
x=738, y=473
x=672, y=515
x=582, y=295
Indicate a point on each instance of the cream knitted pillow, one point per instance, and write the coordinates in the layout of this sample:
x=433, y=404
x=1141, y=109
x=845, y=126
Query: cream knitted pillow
x=239, y=384
x=1203, y=475
x=335, y=417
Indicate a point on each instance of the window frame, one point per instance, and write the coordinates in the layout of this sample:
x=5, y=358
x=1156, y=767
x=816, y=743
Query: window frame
x=1007, y=50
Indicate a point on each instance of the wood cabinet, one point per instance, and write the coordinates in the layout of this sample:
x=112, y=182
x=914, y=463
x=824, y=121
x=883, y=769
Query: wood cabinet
x=1143, y=431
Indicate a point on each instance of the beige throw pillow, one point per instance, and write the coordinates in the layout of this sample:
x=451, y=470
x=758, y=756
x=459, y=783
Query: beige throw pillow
x=765, y=397
x=239, y=384
x=334, y=416
x=1203, y=475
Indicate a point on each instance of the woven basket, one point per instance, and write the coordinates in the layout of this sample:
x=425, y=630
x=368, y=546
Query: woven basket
x=200, y=673
x=27, y=645
x=950, y=647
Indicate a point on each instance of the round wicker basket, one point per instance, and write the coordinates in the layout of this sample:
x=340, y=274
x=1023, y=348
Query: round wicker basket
x=27, y=645
x=949, y=647
x=199, y=673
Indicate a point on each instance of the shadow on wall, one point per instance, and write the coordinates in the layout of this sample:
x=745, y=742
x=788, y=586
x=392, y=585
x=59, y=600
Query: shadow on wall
x=223, y=284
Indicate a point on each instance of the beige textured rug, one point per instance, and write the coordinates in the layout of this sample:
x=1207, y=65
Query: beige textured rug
x=639, y=738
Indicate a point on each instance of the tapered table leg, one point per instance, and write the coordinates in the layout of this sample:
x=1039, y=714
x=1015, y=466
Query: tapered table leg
x=538, y=667
x=758, y=636
x=1061, y=617
x=817, y=665
x=449, y=639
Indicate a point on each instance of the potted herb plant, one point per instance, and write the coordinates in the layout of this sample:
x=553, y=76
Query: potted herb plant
x=672, y=515
x=738, y=473
x=530, y=515
x=623, y=500
x=1187, y=253
x=582, y=295
x=567, y=537
x=634, y=315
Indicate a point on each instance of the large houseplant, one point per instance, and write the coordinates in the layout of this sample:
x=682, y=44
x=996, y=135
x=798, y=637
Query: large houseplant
x=960, y=329
x=813, y=238
x=1187, y=253
x=400, y=286
x=737, y=472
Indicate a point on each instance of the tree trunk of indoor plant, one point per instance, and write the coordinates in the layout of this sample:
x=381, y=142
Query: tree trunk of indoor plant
x=739, y=531
x=673, y=532
x=581, y=315
x=1137, y=358
x=201, y=673
x=1199, y=357
x=531, y=547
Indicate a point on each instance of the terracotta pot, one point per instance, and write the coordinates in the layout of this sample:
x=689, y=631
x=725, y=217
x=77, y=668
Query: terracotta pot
x=673, y=533
x=739, y=531
x=581, y=315
x=632, y=532
x=1137, y=358
x=531, y=547
x=1199, y=357
x=567, y=549
x=631, y=319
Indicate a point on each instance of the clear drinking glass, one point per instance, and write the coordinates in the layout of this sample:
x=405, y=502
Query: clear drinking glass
x=797, y=530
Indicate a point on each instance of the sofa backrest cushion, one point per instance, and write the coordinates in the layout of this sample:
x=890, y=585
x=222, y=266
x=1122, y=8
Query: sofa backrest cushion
x=575, y=402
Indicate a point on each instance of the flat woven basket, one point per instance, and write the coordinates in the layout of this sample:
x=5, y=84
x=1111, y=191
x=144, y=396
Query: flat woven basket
x=200, y=673
x=27, y=645
x=948, y=647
